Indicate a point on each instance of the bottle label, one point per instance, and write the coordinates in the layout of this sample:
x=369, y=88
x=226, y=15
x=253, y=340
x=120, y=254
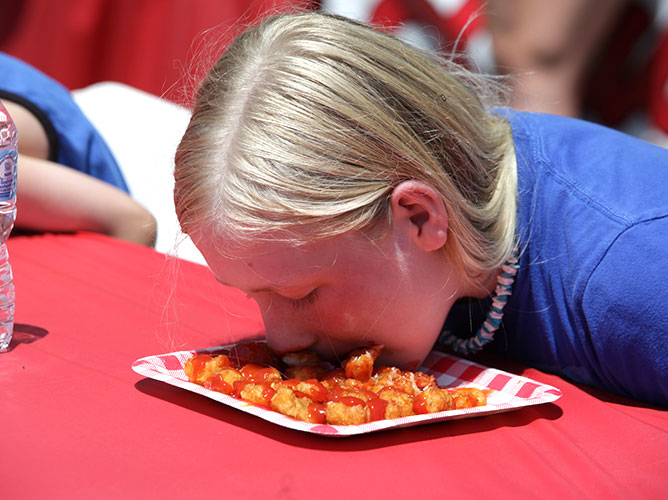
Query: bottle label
x=8, y=175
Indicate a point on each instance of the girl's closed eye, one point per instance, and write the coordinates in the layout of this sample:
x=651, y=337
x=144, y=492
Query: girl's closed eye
x=306, y=300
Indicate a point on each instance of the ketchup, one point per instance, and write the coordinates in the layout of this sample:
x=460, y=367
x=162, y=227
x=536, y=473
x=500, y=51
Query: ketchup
x=377, y=407
x=217, y=383
x=198, y=364
x=350, y=400
x=317, y=391
x=238, y=387
x=267, y=392
x=420, y=404
x=317, y=413
x=253, y=372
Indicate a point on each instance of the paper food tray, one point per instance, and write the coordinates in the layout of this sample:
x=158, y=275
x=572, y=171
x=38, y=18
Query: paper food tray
x=508, y=392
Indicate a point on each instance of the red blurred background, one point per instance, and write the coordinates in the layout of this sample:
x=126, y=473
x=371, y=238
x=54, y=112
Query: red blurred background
x=164, y=46
x=158, y=46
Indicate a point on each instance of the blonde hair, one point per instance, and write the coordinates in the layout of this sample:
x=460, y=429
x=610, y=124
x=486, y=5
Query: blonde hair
x=307, y=122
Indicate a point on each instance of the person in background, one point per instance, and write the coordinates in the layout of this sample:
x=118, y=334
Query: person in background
x=68, y=179
x=548, y=48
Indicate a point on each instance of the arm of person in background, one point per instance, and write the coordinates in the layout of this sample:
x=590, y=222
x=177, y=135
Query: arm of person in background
x=53, y=197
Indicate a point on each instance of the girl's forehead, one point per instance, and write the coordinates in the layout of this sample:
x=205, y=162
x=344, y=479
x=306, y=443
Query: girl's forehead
x=268, y=247
x=266, y=260
x=249, y=250
x=256, y=272
x=280, y=263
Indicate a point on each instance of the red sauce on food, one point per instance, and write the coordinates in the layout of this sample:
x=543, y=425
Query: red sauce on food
x=317, y=413
x=198, y=364
x=377, y=409
x=217, y=383
x=224, y=361
x=301, y=394
x=318, y=392
x=350, y=400
x=420, y=404
x=254, y=372
x=267, y=392
x=335, y=393
x=291, y=383
x=238, y=386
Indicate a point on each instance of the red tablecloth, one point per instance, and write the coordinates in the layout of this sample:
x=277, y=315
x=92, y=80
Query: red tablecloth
x=77, y=422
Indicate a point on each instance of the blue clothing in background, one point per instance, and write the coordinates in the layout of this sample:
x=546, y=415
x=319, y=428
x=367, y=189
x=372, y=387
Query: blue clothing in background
x=73, y=141
x=590, y=301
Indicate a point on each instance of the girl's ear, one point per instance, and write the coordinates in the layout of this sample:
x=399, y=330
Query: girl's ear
x=419, y=209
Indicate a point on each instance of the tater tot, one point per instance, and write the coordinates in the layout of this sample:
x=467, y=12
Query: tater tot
x=359, y=364
x=468, y=397
x=340, y=413
x=432, y=400
x=285, y=401
x=399, y=404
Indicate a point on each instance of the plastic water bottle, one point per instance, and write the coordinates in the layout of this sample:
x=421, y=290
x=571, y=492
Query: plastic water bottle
x=8, y=161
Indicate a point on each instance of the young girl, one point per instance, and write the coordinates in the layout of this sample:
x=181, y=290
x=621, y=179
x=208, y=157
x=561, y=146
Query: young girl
x=362, y=191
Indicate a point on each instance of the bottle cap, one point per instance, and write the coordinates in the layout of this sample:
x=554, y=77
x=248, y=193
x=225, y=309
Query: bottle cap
x=7, y=129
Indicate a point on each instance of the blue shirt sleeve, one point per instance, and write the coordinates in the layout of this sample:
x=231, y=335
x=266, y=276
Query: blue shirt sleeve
x=625, y=305
x=73, y=140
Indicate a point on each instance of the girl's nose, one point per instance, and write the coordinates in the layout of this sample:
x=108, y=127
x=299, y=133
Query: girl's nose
x=284, y=339
x=284, y=333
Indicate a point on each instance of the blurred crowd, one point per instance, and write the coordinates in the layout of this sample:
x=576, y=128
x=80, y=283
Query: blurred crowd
x=603, y=60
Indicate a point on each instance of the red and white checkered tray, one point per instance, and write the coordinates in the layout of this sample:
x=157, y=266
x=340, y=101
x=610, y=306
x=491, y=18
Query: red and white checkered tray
x=508, y=392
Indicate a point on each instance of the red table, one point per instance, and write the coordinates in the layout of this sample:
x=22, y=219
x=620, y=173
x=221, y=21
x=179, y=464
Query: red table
x=77, y=422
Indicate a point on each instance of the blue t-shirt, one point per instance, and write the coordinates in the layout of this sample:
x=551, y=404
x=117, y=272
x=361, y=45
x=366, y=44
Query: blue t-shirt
x=590, y=301
x=73, y=140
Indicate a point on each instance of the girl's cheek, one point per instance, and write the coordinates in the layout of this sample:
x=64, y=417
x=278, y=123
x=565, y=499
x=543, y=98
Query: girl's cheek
x=343, y=319
x=348, y=324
